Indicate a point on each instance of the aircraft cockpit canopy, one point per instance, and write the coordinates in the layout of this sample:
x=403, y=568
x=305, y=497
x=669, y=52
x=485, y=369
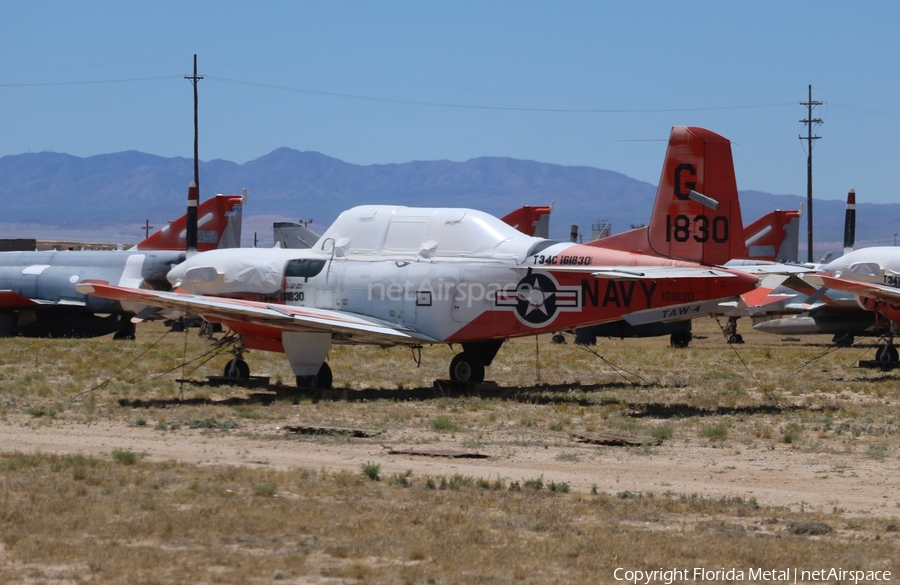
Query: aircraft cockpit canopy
x=378, y=230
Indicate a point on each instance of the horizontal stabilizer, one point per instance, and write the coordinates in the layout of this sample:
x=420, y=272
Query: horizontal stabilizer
x=676, y=312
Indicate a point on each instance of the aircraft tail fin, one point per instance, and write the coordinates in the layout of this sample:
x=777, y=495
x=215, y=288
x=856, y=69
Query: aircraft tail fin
x=775, y=237
x=291, y=235
x=697, y=215
x=219, y=221
x=531, y=220
x=850, y=222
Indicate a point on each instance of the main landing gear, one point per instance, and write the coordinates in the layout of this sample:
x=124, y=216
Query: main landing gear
x=887, y=353
x=306, y=353
x=467, y=367
x=730, y=331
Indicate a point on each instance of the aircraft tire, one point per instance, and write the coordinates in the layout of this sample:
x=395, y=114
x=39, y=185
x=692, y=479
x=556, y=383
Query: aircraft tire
x=237, y=369
x=681, y=339
x=736, y=338
x=887, y=354
x=466, y=369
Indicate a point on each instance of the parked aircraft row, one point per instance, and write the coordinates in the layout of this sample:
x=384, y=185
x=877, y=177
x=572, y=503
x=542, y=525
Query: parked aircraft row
x=37, y=289
x=391, y=275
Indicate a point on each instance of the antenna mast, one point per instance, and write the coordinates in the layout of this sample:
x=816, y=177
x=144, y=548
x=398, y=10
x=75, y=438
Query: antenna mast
x=809, y=121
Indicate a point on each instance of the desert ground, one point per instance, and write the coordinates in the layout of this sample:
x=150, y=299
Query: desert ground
x=757, y=439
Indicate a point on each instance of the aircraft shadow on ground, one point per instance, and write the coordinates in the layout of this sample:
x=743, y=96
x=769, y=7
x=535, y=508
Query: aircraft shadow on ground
x=582, y=395
x=681, y=410
x=545, y=394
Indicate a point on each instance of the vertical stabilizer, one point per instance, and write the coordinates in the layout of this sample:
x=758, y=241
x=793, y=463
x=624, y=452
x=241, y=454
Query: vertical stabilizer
x=531, y=220
x=219, y=226
x=850, y=222
x=293, y=236
x=697, y=215
x=193, y=203
x=775, y=237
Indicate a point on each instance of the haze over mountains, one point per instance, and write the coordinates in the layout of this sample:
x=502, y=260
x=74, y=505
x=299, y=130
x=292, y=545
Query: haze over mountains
x=51, y=193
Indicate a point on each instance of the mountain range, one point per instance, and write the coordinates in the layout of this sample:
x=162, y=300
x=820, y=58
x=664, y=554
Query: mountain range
x=52, y=192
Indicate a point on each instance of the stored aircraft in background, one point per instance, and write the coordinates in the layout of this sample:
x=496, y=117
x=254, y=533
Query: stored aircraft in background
x=811, y=310
x=37, y=288
x=872, y=276
x=389, y=275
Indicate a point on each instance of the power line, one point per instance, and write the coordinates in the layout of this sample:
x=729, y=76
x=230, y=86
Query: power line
x=486, y=107
x=91, y=82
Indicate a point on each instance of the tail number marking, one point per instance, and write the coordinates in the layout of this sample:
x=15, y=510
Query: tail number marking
x=681, y=227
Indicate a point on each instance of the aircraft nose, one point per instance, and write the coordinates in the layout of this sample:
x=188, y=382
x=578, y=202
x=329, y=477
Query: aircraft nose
x=176, y=274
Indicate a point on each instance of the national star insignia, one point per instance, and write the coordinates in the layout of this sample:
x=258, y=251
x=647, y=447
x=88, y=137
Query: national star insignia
x=536, y=299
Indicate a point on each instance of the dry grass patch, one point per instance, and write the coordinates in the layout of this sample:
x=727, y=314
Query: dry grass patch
x=100, y=519
x=176, y=523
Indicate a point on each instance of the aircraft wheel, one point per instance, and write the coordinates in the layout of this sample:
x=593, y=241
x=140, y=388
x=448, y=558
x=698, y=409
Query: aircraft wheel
x=237, y=369
x=558, y=339
x=680, y=339
x=466, y=368
x=886, y=354
x=736, y=338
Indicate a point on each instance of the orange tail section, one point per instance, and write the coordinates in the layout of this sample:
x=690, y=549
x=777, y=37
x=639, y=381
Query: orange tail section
x=531, y=220
x=775, y=237
x=697, y=216
x=219, y=226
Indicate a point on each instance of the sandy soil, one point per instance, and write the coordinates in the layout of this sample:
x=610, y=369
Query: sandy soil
x=777, y=475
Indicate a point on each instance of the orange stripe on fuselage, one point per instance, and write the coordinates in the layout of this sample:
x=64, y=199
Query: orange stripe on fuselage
x=604, y=300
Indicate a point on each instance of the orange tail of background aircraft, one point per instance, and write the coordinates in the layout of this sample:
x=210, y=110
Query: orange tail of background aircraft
x=531, y=220
x=774, y=237
x=218, y=222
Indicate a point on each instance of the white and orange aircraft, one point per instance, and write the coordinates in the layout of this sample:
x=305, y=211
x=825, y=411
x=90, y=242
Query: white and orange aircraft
x=872, y=275
x=390, y=275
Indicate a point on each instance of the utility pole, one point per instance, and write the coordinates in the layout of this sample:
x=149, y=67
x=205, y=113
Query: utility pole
x=147, y=227
x=809, y=121
x=194, y=196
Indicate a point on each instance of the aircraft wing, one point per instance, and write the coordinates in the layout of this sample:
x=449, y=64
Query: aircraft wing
x=12, y=299
x=285, y=317
x=763, y=268
x=861, y=289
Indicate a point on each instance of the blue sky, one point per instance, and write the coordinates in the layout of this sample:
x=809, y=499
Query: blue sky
x=572, y=83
